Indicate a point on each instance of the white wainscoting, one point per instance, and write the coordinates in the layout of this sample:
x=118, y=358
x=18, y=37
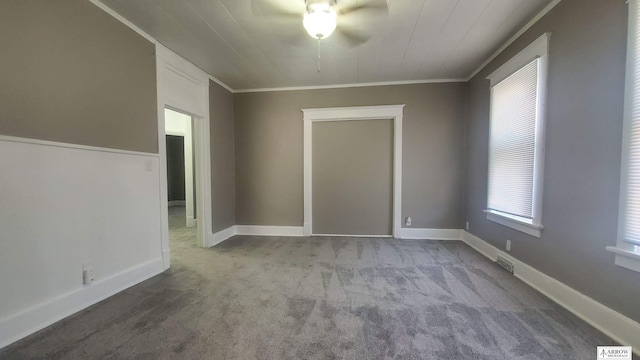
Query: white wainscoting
x=615, y=325
x=63, y=206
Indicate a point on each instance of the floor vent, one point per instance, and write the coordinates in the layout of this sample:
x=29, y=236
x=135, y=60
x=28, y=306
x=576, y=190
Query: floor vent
x=505, y=263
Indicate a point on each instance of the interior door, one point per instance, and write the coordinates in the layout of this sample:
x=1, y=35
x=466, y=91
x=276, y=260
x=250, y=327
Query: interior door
x=352, y=170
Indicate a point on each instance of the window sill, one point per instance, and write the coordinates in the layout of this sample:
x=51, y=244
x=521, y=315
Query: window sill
x=514, y=223
x=625, y=258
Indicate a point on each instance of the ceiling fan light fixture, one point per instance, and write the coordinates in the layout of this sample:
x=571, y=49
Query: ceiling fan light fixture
x=320, y=20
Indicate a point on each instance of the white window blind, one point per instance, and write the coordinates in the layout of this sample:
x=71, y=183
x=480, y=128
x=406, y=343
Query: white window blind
x=632, y=219
x=627, y=249
x=512, y=144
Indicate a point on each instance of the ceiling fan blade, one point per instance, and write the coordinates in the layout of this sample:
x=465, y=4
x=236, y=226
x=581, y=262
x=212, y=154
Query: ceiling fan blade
x=268, y=9
x=352, y=37
x=296, y=39
x=379, y=6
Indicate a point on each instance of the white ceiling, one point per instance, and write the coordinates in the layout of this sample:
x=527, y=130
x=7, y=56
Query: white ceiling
x=417, y=40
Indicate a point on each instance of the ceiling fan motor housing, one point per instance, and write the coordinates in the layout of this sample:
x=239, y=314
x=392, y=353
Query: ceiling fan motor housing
x=320, y=18
x=313, y=4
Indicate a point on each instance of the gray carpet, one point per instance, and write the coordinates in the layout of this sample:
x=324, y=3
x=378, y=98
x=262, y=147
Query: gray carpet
x=319, y=298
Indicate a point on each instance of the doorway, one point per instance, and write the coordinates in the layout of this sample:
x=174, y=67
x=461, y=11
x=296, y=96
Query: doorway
x=185, y=88
x=357, y=113
x=180, y=164
x=181, y=196
x=353, y=178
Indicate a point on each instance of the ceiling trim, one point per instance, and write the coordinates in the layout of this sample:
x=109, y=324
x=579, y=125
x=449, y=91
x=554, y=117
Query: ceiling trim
x=150, y=38
x=120, y=18
x=220, y=83
x=515, y=36
x=339, y=86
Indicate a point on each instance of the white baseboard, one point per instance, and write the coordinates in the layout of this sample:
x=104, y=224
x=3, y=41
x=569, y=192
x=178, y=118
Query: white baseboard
x=259, y=230
x=166, y=259
x=191, y=222
x=253, y=230
x=615, y=325
x=431, y=234
x=357, y=236
x=480, y=245
x=29, y=321
x=177, y=203
x=220, y=236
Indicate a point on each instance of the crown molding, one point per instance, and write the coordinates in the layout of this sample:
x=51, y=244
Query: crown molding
x=340, y=86
x=225, y=86
x=515, y=36
x=120, y=18
x=150, y=38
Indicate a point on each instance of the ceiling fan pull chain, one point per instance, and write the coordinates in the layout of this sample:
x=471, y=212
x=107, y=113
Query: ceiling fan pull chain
x=319, y=56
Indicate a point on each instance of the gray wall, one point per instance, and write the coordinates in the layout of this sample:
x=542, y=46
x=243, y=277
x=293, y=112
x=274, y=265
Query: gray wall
x=583, y=147
x=175, y=168
x=353, y=177
x=222, y=157
x=74, y=74
x=269, y=139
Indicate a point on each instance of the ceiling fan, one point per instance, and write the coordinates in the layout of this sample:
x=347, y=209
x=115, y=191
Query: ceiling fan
x=320, y=17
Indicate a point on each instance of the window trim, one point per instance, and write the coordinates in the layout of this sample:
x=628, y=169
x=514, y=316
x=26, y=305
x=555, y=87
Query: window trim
x=539, y=49
x=515, y=222
x=627, y=255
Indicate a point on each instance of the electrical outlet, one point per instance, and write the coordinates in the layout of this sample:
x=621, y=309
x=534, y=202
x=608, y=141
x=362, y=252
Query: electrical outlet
x=467, y=225
x=508, y=245
x=87, y=274
x=407, y=221
x=148, y=165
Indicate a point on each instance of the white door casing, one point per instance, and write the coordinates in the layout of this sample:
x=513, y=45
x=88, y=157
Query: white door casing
x=185, y=88
x=382, y=112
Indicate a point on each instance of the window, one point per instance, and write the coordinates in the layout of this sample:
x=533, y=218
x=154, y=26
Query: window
x=627, y=249
x=516, y=142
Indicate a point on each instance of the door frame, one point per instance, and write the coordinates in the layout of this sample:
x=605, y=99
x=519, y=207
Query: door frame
x=185, y=88
x=187, y=134
x=381, y=112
